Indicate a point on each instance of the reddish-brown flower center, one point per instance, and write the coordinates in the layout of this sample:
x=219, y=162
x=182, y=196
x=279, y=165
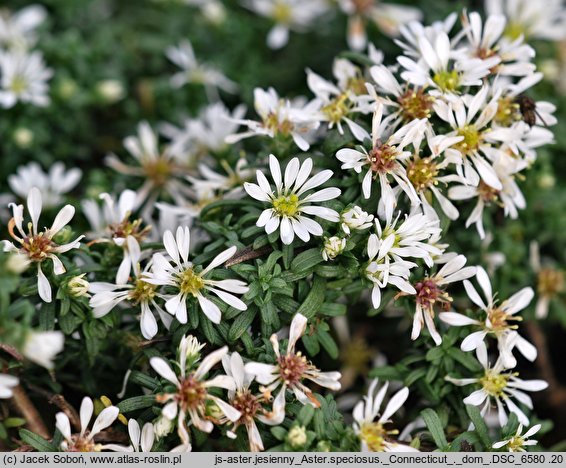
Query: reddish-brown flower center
x=247, y=404
x=382, y=158
x=81, y=444
x=37, y=247
x=487, y=193
x=292, y=367
x=415, y=104
x=129, y=228
x=429, y=294
x=192, y=393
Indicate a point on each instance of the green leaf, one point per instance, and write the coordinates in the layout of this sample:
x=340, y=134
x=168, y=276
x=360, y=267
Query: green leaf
x=465, y=359
x=435, y=427
x=242, y=322
x=328, y=343
x=306, y=414
x=279, y=433
x=314, y=299
x=136, y=403
x=144, y=380
x=480, y=426
x=306, y=260
x=37, y=442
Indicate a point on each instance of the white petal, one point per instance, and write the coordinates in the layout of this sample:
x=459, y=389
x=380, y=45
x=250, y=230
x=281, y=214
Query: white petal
x=163, y=369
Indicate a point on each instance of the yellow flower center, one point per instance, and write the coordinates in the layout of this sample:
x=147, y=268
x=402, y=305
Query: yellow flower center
x=471, y=141
x=374, y=435
x=18, y=85
x=514, y=30
x=447, y=80
x=282, y=13
x=422, y=173
x=415, y=104
x=508, y=112
x=550, y=282
x=158, y=171
x=142, y=292
x=487, y=193
x=494, y=383
x=190, y=282
x=337, y=109
x=271, y=122
x=286, y=205
x=515, y=444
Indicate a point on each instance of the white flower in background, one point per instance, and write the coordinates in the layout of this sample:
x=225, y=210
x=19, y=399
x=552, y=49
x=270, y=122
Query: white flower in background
x=510, y=197
x=110, y=91
x=550, y=281
x=106, y=296
x=480, y=142
x=412, y=32
x=250, y=405
x=212, y=10
x=198, y=73
x=141, y=439
x=7, y=383
x=23, y=78
x=112, y=223
x=333, y=246
x=290, y=370
x=289, y=202
x=279, y=117
x=387, y=17
x=355, y=219
x=84, y=441
x=192, y=394
x=373, y=435
x=384, y=159
x=518, y=441
x=204, y=134
x=296, y=15
x=338, y=104
x=529, y=19
x=231, y=183
x=40, y=246
x=52, y=185
x=438, y=68
x=161, y=170
x=381, y=270
x=190, y=281
x=17, y=30
x=42, y=347
x=485, y=41
x=431, y=293
x=498, y=320
x=499, y=387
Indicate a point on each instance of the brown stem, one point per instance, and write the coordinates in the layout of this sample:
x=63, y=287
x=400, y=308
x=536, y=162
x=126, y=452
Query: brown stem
x=12, y=352
x=27, y=410
x=61, y=403
x=557, y=391
x=248, y=253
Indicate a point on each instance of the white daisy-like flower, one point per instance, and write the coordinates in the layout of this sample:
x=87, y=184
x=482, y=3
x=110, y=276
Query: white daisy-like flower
x=290, y=370
x=441, y=68
x=23, y=78
x=289, y=203
x=470, y=117
x=107, y=296
x=485, y=40
x=356, y=219
x=41, y=347
x=531, y=19
x=194, y=72
x=141, y=439
x=250, y=406
x=204, y=134
x=279, y=117
x=498, y=320
x=431, y=293
x=17, y=30
x=373, y=435
x=296, y=15
x=384, y=159
x=382, y=270
x=112, y=223
x=40, y=246
x=192, y=394
x=500, y=387
x=519, y=441
x=53, y=184
x=84, y=440
x=189, y=280
x=388, y=18
x=231, y=183
x=550, y=281
x=7, y=383
x=162, y=170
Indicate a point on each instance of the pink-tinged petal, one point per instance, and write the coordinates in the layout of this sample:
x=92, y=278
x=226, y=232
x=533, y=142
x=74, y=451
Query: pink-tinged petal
x=297, y=329
x=264, y=373
x=229, y=411
x=277, y=414
x=169, y=411
x=43, y=286
x=164, y=370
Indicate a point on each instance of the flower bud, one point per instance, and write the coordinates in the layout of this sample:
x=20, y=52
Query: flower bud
x=355, y=218
x=23, y=137
x=333, y=247
x=110, y=90
x=78, y=286
x=17, y=263
x=297, y=437
x=162, y=427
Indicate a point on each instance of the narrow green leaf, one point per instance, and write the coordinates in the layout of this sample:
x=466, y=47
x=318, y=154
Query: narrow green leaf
x=314, y=299
x=306, y=260
x=241, y=323
x=435, y=427
x=480, y=426
x=136, y=403
x=37, y=442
